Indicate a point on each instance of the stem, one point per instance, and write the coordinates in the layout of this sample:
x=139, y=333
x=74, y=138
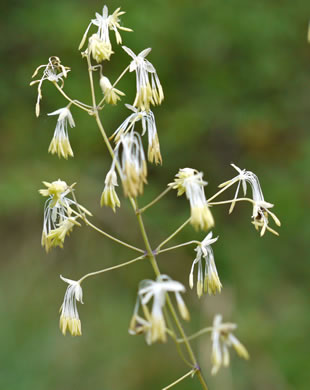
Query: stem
x=82, y=106
x=111, y=268
x=155, y=200
x=144, y=234
x=197, y=334
x=112, y=238
x=173, y=234
x=179, y=246
x=220, y=192
x=231, y=201
x=179, y=380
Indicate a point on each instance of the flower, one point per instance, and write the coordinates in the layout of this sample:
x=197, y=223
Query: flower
x=148, y=125
x=100, y=50
x=133, y=164
x=99, y=43
x=222, y=338
x=58, y=209
x=147, y=92
x=109, y=196
x=260, y=206
x=54, y=71
x=154, y=324
x=209, y=282
x=60, y=143
x=69, y=318
x=111, y=94
x=190, y=181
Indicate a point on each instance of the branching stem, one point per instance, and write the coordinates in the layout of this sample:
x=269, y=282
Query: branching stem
x=81, y=105
x=155, y=200
x=179, y=246
x=173, y=234
x=191, y=372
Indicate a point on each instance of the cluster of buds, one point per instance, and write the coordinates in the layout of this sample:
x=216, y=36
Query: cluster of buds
x=261, y=208
x=154, y=324
x=60, y=213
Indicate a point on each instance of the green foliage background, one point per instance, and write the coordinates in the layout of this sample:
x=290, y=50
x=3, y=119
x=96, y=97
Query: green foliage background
x=236, y=78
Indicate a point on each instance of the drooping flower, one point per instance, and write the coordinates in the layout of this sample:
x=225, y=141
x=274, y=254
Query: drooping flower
x=260, y=206
x=60, y=143
x=60, y=213
x=132, y=163
x=207, y=281
x=222, y=338
x=109, y=196
x=190, y=182
x=148, y=125
x=149, y=89
x=99, y=43
x=154, y=325
x=54, y=71
x=69, y=317
x=111, y=94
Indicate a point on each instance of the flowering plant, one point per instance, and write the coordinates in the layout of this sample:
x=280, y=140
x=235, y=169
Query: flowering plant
x=154, y=311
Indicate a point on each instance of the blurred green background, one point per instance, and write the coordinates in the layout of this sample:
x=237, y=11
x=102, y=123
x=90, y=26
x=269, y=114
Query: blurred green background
x=236, y=78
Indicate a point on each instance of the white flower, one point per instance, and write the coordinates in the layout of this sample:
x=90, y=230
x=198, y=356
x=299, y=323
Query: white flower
x=222, y=338
x=132, y=163
x=260, y=206
x=207, y=281
x=148, y=91
x=190, y=181
x=54, y=72
x=154, y=324
x=111, y=94
x=109, y=196
x=60, y=143
x=148, y=125
x=58, y=209
x=69, y=318
x=100, y=44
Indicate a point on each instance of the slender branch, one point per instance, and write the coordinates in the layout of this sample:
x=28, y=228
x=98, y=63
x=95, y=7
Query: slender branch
x=231, y=201
x=81, y=105
x=112, y=238
x=179, y=246
x=111, y=268
x=155, y=200
x=173, y=234
x=220, y=192
x=197, y=334
x=179, y=380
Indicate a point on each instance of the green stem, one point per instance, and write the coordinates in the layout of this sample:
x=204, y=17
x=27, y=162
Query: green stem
x=144, y=235
x=197, y=334
x=154, y=201
x=173, y=234
x=111, y=268
x=179, y=380
x=179, y=246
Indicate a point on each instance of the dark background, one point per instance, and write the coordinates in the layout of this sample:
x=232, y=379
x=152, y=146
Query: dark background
x=236, y=78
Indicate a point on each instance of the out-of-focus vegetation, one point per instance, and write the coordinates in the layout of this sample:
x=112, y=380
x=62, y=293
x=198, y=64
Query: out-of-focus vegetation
x=236, y=76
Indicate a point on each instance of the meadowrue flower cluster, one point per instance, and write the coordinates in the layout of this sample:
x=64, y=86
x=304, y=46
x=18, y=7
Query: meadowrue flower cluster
x=132, y=145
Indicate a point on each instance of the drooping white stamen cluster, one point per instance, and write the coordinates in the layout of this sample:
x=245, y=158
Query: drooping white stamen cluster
x=260, y=206
x=59, y=215
x=190, y=182
x=148, y=92
x=222, y=338
x=109, y=196
x=60, y=143
x=99, y=43
x=207, y=281
x=54, y=71
x=154, y=325
x=69, y=317
x=111, y=94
